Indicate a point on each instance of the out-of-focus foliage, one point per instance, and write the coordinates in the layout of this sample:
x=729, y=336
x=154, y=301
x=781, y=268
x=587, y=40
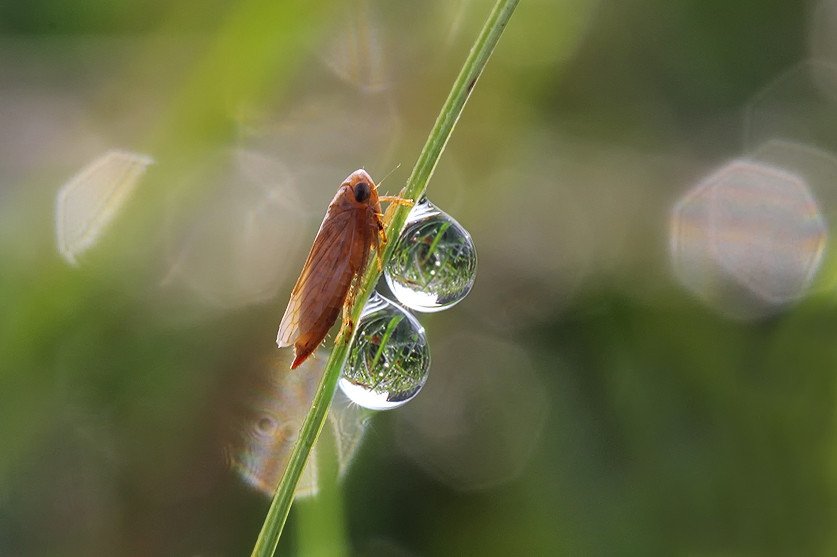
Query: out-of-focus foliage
x=583, y=400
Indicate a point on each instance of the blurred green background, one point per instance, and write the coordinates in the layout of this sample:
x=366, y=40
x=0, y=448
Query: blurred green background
x=580, y=400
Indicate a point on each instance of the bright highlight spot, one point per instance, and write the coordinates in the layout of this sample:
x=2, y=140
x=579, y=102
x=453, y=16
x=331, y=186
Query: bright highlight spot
x=234, y=250
x=356, y=53
x=89, y=202
x=267, y=423
x=748, y=239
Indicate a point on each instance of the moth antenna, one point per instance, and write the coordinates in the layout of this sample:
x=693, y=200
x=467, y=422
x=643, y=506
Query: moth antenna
x=397, y=166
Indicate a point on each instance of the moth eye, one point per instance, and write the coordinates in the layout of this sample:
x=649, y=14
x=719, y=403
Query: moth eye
x=361, y=192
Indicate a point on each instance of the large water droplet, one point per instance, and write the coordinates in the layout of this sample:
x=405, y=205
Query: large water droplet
x=389, y=359
x=434, y=262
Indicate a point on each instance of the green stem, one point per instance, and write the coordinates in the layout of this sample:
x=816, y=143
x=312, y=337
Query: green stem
x=415, y=188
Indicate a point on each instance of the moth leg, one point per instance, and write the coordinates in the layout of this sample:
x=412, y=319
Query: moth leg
x=396, y=200
x=347, y=325
x=379, y=238
x=346, y=329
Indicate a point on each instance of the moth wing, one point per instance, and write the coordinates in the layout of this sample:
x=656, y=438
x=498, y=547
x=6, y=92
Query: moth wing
x=328, y=257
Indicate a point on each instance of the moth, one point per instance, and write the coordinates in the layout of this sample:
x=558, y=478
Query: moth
x=352, y=228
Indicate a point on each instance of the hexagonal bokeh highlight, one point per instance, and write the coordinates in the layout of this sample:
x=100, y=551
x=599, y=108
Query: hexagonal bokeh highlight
x=234, y=249
x=87, y=204
x=799, y=105
x=357, y=50
x=479, y=420
x=822, y=40
x=748, y=239
x=266, y=416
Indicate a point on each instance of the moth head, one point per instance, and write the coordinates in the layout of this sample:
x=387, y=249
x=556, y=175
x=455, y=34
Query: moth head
x=362, y=192
x=361, y=187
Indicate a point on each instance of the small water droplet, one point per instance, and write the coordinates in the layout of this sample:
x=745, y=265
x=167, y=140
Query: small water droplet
x=390, y=339
x=434, y=262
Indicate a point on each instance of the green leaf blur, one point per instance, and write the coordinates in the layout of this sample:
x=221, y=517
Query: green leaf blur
x=580, y=401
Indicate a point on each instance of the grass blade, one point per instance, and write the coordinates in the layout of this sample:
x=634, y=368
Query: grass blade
x=414, y=189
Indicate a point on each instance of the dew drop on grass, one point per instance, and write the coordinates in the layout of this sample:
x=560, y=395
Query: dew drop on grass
x=434, y=262
x=389, y=359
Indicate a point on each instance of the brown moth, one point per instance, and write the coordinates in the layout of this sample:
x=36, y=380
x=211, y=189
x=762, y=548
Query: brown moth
x=352, y=227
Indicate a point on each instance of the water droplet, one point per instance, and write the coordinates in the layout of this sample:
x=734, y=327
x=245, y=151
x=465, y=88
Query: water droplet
x=434, y=262
x=390, y=339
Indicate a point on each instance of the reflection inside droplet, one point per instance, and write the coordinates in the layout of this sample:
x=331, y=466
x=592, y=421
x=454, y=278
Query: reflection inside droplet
x=389, y=358
x=747, y=239
x=434, y=261
x=88, y=203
